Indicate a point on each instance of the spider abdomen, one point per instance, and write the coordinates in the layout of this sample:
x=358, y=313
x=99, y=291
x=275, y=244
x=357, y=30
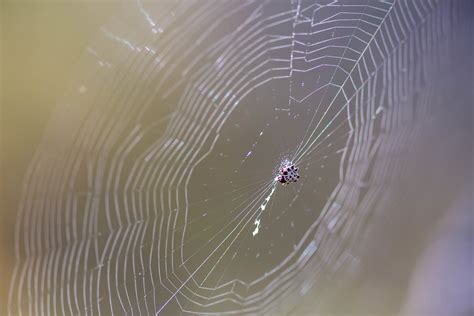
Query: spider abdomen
x=288, y=174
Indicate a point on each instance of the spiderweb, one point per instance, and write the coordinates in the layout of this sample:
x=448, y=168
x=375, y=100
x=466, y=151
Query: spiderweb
x=153, y=190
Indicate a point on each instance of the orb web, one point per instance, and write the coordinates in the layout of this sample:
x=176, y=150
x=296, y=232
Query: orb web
x=159, y=165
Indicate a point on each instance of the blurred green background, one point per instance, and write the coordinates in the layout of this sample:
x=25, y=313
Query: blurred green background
x=41, y=43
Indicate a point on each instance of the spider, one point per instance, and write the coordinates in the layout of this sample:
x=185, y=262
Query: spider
x=288, y=174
